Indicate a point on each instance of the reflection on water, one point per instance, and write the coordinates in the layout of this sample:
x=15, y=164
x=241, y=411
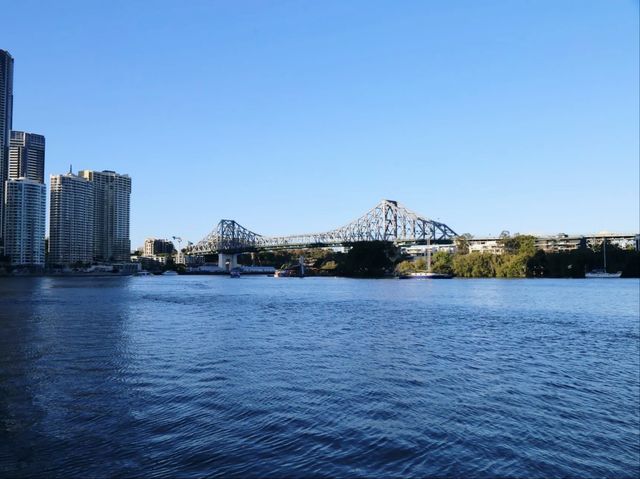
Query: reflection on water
x=197, y=376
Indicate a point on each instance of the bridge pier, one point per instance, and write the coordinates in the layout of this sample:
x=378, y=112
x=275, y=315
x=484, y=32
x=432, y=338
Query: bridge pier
x=227, y=261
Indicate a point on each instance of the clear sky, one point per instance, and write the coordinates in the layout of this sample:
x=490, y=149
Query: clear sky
x=299, y=116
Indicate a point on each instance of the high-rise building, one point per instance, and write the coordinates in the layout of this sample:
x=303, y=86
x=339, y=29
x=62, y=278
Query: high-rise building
x=6, y=115
x=111, y=227
x=71, y=220
x=154, y=246
x=25, y=200
x=26, y=156
x=24, y=222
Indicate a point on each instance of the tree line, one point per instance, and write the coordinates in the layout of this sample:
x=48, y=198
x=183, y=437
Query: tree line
x=519, y=259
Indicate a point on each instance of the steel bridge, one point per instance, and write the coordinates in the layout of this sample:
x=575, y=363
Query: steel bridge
x=387, y=221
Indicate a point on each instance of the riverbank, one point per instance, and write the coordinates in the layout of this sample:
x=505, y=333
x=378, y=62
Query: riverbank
x=518, y=259
x=379, y=259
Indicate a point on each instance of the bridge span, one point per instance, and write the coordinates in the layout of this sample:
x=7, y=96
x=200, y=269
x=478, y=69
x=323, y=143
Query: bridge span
x=387, y=221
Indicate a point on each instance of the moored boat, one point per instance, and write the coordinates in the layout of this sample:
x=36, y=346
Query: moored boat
x=602, y=273
x=429, y=275
x=291, y=271
x=284, y=273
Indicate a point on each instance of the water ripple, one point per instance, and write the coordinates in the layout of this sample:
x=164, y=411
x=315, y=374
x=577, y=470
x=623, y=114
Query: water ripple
x=208, y=377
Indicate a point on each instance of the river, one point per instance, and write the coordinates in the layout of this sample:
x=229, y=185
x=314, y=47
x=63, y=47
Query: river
x=193, y=376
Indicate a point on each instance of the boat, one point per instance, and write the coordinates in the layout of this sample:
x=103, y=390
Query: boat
x=143, y=273
x=291, y=271
x=170, y=273
x=285, y=273
x=602, y=273
x=429, y=275
x=234, y=273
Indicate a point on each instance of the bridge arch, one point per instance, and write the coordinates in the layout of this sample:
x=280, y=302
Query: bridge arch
x=387, y=221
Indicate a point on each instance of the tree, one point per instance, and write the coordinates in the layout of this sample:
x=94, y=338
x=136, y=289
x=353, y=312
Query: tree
x=330, y=265
x=474, y=265
x=170, y=264
x=518, y=244
x=405, y=267
x=420, y=264
x=462, y=243
x=368, y=259
x=511, y=266
x=442, y=262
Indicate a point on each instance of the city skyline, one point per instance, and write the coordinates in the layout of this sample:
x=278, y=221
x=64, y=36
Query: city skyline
x=531, y=130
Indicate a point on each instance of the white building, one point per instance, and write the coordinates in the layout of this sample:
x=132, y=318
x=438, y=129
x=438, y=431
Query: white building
x=421, y=249
x=25, y=200
x=25, y=216
x=112, y=192
x=623, y=241
x=556, y=243
x=485, y=245
x=71, y=220
x=148, y=247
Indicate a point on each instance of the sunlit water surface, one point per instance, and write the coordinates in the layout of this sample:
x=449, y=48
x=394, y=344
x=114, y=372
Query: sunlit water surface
x=205, y=376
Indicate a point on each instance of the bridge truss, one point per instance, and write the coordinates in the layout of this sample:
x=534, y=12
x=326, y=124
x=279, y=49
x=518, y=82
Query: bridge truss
x=387, y=221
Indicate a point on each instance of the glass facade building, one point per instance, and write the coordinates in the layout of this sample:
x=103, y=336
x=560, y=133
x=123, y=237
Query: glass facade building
x=26, y=156
x=25, y=217
x=6, y=116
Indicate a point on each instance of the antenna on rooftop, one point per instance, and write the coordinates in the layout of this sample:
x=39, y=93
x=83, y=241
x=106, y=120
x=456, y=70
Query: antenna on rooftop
x=70, y=169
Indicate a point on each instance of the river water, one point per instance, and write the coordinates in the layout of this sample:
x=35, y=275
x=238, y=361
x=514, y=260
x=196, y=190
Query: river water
x=212, y=376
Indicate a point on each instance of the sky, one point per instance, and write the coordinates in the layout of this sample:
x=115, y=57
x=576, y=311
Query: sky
x=299, y=116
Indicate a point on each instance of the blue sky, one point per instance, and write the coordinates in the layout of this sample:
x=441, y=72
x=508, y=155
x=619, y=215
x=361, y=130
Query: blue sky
x=299, y=116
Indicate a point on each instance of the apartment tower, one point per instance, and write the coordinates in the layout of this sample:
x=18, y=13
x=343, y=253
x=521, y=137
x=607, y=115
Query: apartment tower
x=26, y=156
x=112, y=192
x=6, y=115
x=24, y=221
x=25, y=200
x=71, y=220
